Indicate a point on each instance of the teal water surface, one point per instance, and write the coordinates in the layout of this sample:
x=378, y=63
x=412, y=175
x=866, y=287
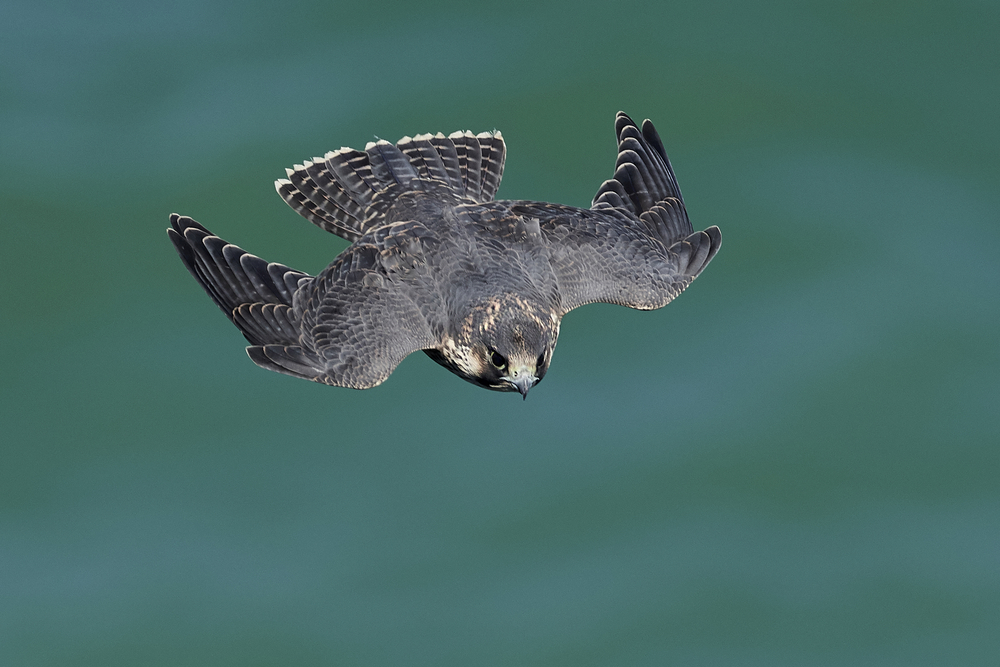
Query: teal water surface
x=795, y=463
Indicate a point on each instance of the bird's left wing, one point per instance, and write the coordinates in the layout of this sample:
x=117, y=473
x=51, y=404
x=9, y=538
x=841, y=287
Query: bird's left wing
x=600, y=256
x=635, y=247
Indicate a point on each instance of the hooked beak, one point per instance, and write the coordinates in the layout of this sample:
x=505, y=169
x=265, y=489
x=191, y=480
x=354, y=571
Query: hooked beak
x=523, y=381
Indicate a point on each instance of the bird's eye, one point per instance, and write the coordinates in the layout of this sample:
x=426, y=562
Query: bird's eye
x=541, y=361
x=497, y=359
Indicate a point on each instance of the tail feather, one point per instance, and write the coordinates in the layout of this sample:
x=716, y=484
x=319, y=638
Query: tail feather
x=352, y=171
x=388, y=164
x=311, y=186
x=255, y=295
x=346, y=191
x=308, y=209
x=494, y=155
x=434, y=158
x=470, y=154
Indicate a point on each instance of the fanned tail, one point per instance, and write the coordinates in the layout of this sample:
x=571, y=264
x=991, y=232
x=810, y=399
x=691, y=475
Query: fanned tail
x=346, y=191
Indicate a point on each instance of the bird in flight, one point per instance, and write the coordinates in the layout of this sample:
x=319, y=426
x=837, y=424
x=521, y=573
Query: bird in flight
x=436, y=264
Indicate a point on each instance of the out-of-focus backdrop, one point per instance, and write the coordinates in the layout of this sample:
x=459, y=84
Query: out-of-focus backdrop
x=794, y=463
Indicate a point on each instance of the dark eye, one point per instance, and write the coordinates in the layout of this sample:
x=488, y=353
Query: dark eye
x=497, y=359
x=541, y=361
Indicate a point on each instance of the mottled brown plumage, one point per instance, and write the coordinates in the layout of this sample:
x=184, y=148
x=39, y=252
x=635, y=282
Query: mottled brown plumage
x=437, y=265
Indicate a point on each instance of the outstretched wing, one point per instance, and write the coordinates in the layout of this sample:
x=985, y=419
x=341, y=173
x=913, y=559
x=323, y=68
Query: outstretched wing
x=598, y=257
x=635, y=247
x=365, y=313
x=643, y=179
x=255, y=295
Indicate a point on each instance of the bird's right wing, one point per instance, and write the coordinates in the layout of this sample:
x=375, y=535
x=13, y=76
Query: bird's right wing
x=365, y=313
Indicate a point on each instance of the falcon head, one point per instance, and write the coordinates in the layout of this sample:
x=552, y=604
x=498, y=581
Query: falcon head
x=504, y=343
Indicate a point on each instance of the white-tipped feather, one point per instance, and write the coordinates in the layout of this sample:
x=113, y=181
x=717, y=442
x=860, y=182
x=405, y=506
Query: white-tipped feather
x=336, y=191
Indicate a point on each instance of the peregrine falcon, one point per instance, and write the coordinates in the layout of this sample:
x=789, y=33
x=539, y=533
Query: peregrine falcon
x=436, y=264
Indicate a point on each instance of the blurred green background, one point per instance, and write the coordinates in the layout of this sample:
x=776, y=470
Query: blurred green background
x=796, y=463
